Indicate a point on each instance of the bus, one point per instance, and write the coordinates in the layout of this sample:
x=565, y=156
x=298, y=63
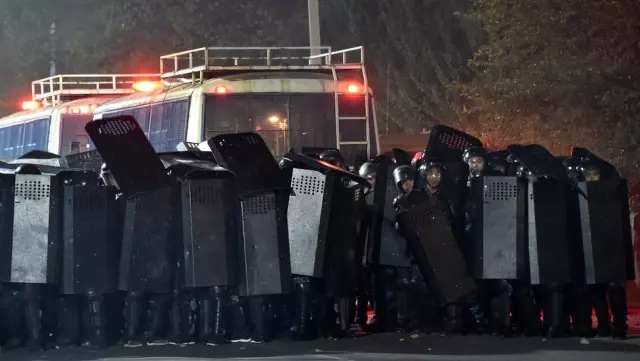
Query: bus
x=291, y=99
x=54, y=119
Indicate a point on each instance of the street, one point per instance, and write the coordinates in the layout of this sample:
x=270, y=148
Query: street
x=373, y=347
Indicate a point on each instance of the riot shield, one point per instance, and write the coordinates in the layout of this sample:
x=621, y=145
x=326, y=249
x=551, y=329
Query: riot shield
x=447, y=144
x=90, y=234
x=425, y=223
x=128, y=154
x=7, y=181
x=209, y=234
x=148, y=248
x=149, y=241
x=90, y=160
x=264, y=261
x=315, y=184
x=264, y=258
x=604, y=244
x=247, y=155
x=35, y=241
x=308, y=217
x=549, y=248
x=385, y=246
x=540, y=161
x=342, y=252
x=607, y=170
x=499, y=229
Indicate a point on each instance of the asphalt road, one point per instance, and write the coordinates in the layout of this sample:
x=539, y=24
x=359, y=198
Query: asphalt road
x=373, y=347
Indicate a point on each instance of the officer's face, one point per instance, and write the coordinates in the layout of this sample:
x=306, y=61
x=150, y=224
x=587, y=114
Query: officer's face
x=407, y=186
x=372, y=179
x=476, y=164
x=433, y=177
x=592, y=176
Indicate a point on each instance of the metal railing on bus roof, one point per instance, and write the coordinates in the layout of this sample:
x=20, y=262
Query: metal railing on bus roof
x=194, y=63
x=52, y=90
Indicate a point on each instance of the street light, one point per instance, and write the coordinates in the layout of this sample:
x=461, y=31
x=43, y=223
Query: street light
x=274, y=119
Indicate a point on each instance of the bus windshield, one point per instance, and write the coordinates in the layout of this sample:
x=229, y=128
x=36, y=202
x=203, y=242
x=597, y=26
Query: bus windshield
x=284, y=121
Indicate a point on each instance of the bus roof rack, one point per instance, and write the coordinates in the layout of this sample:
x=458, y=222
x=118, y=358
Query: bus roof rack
x=199, y=63
x=61, y=88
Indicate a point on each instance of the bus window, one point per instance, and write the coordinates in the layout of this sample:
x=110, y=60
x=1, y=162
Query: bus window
x=168, y=124
x=21, y=138
x=283, y=120
x=72, y=131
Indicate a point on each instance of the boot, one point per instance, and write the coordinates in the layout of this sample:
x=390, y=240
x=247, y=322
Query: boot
x=529, y=314
x=452, y=321
x=380, y=306
x=219, y=332
x=177, y=334
x=32, y=295
x=581, y=311
x=344, y=315
x=327, y=324
x=475, y=309
x=238, y=311
x=402, y=300
x=501, y=307
x=94, y=324
x=12, y=317
x=618, y=300
x=257, y=315
x=554, y=312
x=601, y=305
x=362, y=310
x=156, y=320
x=301, y=329
x=133, y=306
x=68, y=321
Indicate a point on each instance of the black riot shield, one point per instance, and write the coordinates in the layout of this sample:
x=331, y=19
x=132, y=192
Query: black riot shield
x=384, y=245
x=549, y=245
x=7, y=181
x=209, y=234
x=314, y=184
x=90, y=160
x=31, y=241
x=499, y=249
x=149, y=241
x=128, y=154
x=425, y=223
x=604, y=244
x=607, y=170
x=148, y=254
x=447, y=144
x=91, y=235
x=342, y=247
x=247, y=155
x=264, y=261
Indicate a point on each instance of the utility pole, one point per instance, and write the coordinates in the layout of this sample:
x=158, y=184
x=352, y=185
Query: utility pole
x=53, y=43
x=314, y=29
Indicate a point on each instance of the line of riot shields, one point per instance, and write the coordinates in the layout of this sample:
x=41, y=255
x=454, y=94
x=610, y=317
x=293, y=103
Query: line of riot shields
x=219, y=242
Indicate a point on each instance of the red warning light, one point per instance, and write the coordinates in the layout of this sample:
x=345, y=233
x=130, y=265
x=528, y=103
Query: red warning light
x=30, y=105
x=146, y=86
x=353, y=88
x=221, y=90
